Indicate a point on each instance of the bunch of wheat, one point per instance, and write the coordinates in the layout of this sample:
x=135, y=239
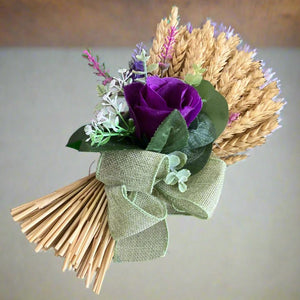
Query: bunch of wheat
x=73, y=220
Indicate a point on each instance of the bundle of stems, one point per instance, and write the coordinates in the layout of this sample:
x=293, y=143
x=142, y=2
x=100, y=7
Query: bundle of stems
x=73, y=221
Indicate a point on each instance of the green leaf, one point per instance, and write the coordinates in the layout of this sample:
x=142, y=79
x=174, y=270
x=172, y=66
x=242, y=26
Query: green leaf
x=201, y=132
x=197, y=158
x=181, y=160
x=152, y=67
x=215, y=106
x=171, y=135
x=78, y=142
x=193, y=79
x=171, y=179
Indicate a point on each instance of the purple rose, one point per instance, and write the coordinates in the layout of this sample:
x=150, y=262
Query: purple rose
x=150, y=103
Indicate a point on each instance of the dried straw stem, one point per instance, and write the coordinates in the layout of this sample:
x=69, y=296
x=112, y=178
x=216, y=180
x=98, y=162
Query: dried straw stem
x=73, y=221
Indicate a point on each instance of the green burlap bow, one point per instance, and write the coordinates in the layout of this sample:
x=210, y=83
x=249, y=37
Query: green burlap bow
x=139, y=200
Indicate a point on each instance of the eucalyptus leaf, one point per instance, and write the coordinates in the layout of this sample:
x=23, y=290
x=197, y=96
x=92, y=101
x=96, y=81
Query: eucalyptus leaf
x=152, y=68
x=215, y=106
x=197, y=158
x=193, y=79
x=78, y=142
x=182, y=159
x=201, y=131
x=171, y=135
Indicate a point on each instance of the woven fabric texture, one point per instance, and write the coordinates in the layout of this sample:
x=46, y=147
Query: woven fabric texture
x=139, y=200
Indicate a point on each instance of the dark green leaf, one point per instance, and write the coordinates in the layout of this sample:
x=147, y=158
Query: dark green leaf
x=171, y=135
x=197, y=158
x=201, y=132
x=215, y=106
x=78, y=142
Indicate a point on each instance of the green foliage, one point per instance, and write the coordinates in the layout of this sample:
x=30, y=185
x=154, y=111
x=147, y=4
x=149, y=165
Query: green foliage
x=201, y=135
x=101, y=90
x=171, y=135
x=196, y=78
x=78, y=141
x=152, y=68
x=215, y=105
x=143, y=57
x=197, y=157
x=177, y=160
x=201, y=132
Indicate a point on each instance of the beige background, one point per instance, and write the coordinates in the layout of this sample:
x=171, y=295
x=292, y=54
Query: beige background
x=248, y=250
x=126, y=22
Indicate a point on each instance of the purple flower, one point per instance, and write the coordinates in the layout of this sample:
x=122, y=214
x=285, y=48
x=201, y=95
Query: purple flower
x=189, y=27
x=150, y=103
x=219, y=28
x=135, y=64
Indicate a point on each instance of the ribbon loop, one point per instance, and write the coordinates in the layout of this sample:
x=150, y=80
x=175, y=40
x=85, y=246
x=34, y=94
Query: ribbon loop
x=139, y=199
x=146, y=245
x=203, y=192
x=129, y=215
x=139, y=170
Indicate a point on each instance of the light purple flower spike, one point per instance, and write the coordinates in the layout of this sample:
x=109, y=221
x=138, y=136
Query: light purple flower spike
x=189, y=27
x=219, y=28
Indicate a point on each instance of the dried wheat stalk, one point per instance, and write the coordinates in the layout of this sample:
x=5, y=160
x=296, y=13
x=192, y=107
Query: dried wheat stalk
x=229, y=160
x=223, y=49
x=252, y=137
x=200, y=48
x=178, y=59
x=73, y=221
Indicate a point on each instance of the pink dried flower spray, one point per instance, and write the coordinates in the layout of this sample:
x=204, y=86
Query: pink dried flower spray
x=168, y=46
x=94, y=63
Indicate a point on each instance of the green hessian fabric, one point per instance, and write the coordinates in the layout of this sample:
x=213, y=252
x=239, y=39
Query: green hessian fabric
x=139, y=200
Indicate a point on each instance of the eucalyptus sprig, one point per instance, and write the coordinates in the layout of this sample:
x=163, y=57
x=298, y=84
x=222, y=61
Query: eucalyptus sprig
x=177, y=175
x=196, y=78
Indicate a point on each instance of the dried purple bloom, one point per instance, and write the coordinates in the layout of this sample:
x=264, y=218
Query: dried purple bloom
x=268, y=74
x=219, y=28
x=189, y=27
x=233, y=117
x=247, y=48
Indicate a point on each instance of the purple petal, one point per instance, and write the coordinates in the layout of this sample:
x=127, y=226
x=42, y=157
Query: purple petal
x=131, y=91
x=149, y=119
x=154, y=100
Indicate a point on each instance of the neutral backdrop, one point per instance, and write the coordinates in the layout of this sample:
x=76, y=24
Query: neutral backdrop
x=248, y=250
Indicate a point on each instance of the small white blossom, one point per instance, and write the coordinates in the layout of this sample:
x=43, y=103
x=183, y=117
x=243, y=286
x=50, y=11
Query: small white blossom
x=88, y=130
